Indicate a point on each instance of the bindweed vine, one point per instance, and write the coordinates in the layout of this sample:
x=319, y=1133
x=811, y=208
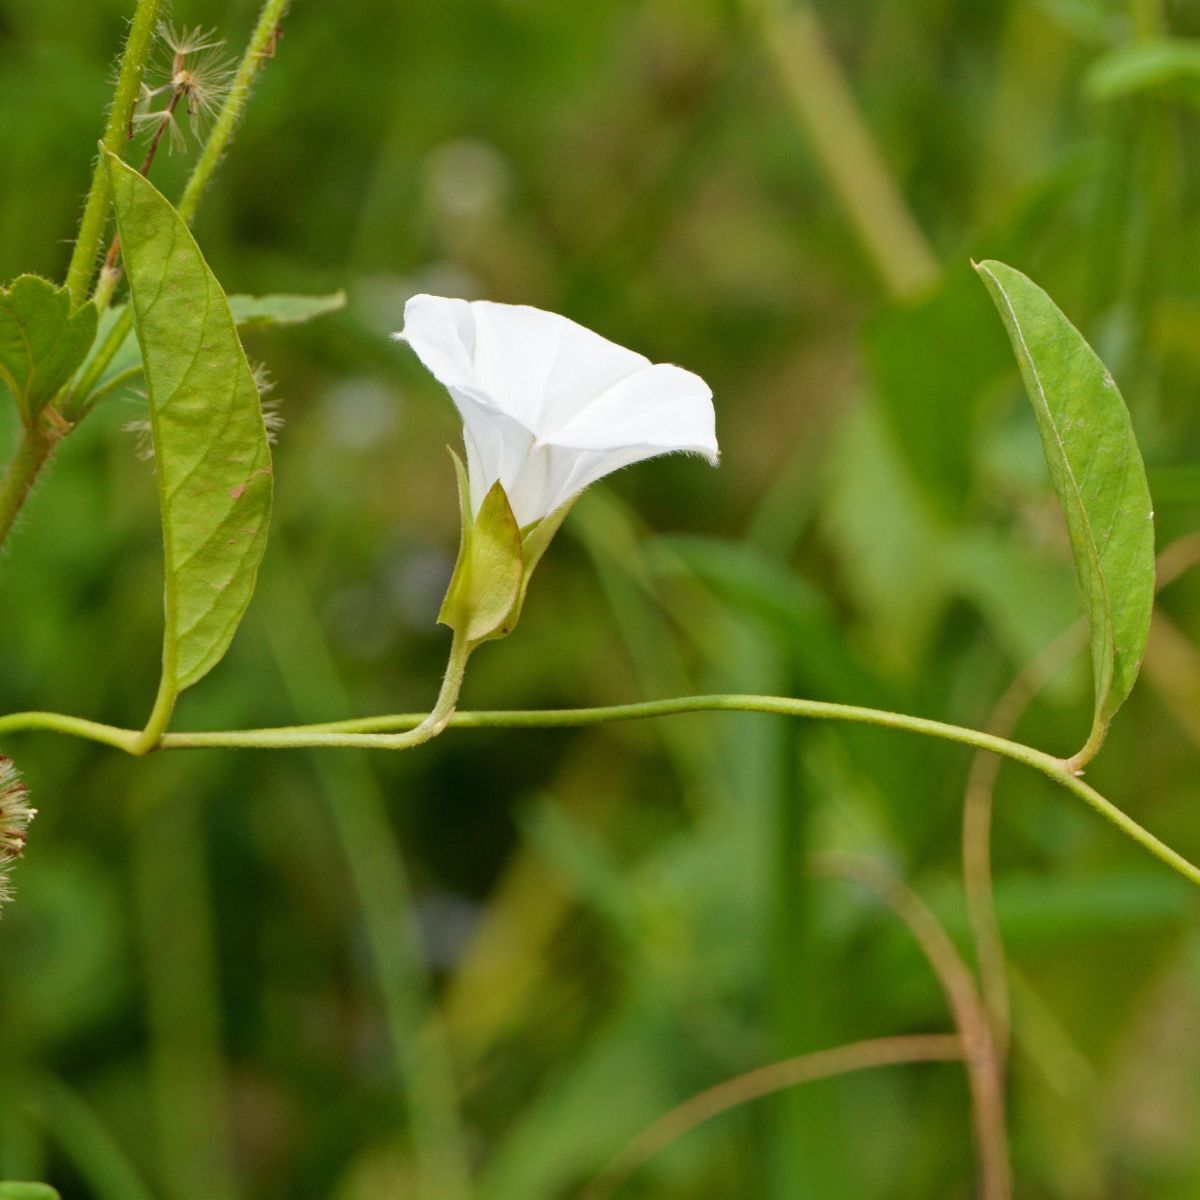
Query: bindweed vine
x=549, y=408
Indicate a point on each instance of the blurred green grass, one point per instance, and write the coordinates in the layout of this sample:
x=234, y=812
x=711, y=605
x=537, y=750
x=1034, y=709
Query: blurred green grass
x=612, y=919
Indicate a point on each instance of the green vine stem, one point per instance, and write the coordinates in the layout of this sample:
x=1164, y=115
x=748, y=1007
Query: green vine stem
x=33, y=451
x=116, y=134
x=260, y=48
x=37, y=447
x=373, y=733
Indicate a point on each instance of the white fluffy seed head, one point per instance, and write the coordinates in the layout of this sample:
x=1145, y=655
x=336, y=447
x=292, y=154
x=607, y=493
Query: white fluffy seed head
x=15, y=815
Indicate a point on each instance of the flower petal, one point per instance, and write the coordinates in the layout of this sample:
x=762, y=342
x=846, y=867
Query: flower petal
x=498, y=448
x=548, y=406
x=442, y=333
x=538, y=367
x=662, y=406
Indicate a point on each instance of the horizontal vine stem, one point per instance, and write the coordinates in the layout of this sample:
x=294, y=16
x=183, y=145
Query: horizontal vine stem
x=384, y=733
x=52, y=722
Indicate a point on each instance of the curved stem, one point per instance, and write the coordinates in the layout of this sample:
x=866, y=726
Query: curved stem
x=118, y=381
x=443, y=708
x=116, y=134
x=260, y=48
x=79, y=400
x=33, y=452
x=1179, y=557
x=764, y=1081
x=364, y=734
x=984, y=1073
x=52, y=722
x=977, y=826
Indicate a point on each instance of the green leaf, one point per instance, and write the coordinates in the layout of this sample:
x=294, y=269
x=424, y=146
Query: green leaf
x=27, y=1191
x=253, y=312
x=42, y=343
x=1097, y=472
x=213, y=462
x=487, y=581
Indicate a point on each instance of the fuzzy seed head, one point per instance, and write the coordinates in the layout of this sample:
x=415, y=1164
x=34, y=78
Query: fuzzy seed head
x=15, y=815
x=192, y=75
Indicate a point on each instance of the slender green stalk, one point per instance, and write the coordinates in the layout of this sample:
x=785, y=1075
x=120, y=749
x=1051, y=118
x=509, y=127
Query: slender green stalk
x=765, y=1081
x=116, y=134
x=118, y=381
x=368, y=734
x=977, y=825
x=51, y=722
x=258, y=50
x=984, y=1073
x=78, y=401
x=33, y=452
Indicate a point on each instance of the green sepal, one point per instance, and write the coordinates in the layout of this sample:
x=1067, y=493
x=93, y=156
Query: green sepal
x=27, y=1191
x=535, y=539
x=42, y=342
x=487, y=579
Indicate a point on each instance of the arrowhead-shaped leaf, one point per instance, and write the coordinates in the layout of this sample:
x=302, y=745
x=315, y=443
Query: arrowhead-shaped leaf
x=1097, y=472
x=210, y=447
x=42, y=342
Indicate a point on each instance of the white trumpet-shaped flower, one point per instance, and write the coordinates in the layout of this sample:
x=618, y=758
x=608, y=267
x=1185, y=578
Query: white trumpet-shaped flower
x=549, y=407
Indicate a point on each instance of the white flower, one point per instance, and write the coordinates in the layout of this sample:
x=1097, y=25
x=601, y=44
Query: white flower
x=549, y=407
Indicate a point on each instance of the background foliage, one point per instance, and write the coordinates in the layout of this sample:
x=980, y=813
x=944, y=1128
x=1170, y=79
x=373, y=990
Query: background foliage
x=215, y=978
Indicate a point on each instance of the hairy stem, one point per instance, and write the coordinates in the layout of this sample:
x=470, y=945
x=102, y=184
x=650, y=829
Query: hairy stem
x=116, y=134
x=260, y=48
x=26, y=465
x=33, y=452
x=764, y=1081
x=110, y=271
